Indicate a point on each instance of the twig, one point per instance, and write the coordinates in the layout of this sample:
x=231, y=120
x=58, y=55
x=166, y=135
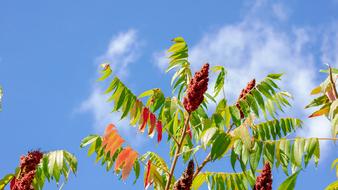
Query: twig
x=177, y=153
x=230, y=127
x=199, y=168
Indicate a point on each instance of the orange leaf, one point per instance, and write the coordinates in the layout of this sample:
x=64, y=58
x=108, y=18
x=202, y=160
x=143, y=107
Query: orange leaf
x=145, y=116
x=114, y=145
x=111, y=140
x=128, y=164
x=159, y=131
x=320, y=112
x=122, y=157
x=147, y=182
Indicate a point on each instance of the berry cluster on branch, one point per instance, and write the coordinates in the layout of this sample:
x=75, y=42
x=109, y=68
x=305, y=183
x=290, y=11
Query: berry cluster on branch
x=28, y=166
x=243, y=94
x=197, y=87
x=264, y=181
x=185, y=182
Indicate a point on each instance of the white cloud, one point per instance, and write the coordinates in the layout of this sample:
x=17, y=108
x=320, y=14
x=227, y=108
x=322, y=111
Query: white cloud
x=101, y=110
x=253, y=48
x=160, y=60
x=280, y=11
x=123, y=50
x=330, y=46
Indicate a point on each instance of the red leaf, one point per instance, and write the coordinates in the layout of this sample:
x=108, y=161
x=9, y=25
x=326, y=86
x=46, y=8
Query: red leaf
x=147, y=182
x=159, y=131
x=145, y=116
x=152, y=123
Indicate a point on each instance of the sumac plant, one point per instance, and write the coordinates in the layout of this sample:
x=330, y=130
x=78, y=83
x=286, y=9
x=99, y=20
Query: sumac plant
x=248, y=134
x=36, y=167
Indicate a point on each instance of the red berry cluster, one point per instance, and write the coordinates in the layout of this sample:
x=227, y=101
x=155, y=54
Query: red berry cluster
x=28, y=166
x=185, y=182
x=197, y=87
x=264, y=181
x=243, y=94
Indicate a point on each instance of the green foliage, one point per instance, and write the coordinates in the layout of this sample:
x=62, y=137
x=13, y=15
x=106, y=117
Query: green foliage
x=221, y=180
x=54, y=165
x=290, y=182
x=230, y=130
x=159, y=170
x=219, y=84
x=179, y=61
x=276, y=128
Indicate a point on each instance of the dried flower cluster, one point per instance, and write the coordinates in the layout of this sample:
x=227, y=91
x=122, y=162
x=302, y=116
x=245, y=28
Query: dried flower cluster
x=184, y=183
x=28, y=166
x=243, y=94
x=197, y=87
x=264, y=181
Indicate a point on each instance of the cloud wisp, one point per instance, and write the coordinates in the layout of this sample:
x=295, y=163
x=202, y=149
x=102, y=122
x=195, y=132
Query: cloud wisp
x=122, y=51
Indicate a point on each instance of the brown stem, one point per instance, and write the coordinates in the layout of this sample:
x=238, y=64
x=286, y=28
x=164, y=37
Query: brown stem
x=177, y=153
x=199, y=168
x=333, y=83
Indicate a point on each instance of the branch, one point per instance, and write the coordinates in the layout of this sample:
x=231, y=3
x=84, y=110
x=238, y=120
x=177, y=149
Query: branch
x=177, y=153
x=199, y=168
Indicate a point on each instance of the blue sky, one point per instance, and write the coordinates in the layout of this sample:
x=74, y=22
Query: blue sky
x=50, y=52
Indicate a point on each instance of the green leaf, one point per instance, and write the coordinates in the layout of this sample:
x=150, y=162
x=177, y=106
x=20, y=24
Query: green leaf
x=88, y=140
x=207, y=136
x=220, y=79
x=146, y=93
x=269, y=152
x=106, y=72
x=289, y=183
x=252, y=103
x=298, y=151
x=177, y=47
x=258, y=98
x=220, y=146
x=332, y=186
x=235, y=115
x=136, y=168
x=5, y=180
x=255, y=156
x=275, y=76
x=178, y=39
